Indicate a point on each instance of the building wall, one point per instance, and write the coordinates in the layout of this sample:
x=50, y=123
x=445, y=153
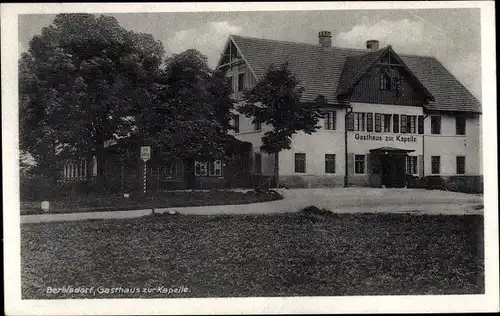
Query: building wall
x=447, y=145
x=315, y=146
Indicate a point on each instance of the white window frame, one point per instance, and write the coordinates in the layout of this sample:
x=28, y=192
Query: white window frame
x=408, y=164
x=334, y=160
x=255, y=125
x=330, y=121
x=208, y=168
x=465, y=165
x=440, y=120
x=359, y=121
x=432, y=169
x=203, y=170
x=364, y=164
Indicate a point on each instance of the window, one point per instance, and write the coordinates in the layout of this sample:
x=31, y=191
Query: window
x=258, y=163
x=403, y=123
x=460, y=164
x=350, y=121
x=236, y=119
x=257, y=126
x=378, y=127
x=241, y=81
x=460, y=125
x=204, y=168
x=435, y=124
x=395, y=123
x=359, y=121
x=300, y=162
x=329, y=163
x=331, y=120
x=172, y=169
x=369, y=122
x=215, y=168
x=435, y=164
x=359, y=164
x=385, y=81
x=411, y=124
x=200, y=168
x=420, y=124
x=169, y=170
x=411, y=164
x=387, y=123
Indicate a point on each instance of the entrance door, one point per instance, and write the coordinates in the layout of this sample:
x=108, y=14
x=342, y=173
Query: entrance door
x=393, y=170
x=385, y=164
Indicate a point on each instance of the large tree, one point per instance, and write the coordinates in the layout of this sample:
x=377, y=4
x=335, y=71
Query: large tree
x=276, y=100
x=81, y=81
x=191, y=115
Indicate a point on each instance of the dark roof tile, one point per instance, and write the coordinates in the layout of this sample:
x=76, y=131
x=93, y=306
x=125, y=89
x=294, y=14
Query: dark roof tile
x=319, y=70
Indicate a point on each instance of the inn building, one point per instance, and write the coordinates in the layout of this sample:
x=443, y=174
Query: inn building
x=389, y=117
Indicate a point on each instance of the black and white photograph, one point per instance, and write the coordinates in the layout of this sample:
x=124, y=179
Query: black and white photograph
x=239, y=158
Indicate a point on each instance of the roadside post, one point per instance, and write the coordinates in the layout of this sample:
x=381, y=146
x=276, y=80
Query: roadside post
x=145, y=156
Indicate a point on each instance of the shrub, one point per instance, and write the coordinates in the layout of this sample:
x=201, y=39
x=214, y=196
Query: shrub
x=434, y=183
x=313, y=210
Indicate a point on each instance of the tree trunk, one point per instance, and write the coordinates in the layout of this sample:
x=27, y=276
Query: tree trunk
x=276, y=169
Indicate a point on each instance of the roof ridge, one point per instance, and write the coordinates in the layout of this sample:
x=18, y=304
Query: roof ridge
x=296, y=43
x=334, y=47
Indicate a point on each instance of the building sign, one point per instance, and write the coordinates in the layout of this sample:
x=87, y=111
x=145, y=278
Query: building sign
x=387, y=138
x=145, y=153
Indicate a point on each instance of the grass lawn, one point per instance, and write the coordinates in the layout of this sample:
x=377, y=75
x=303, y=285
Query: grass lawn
x=291, y=254
x=117, y=202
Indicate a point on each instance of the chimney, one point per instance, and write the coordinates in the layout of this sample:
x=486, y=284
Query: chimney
x=372, y=45
x=325, y=39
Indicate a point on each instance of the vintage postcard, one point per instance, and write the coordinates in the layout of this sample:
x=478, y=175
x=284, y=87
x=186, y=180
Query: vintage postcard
x=243, y=158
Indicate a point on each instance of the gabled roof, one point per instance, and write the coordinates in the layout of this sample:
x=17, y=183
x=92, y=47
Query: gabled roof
x=320, y=70
x=355, y=67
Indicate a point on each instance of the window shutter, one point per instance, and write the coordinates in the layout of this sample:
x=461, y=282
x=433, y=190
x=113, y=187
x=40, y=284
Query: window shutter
x=403, y=123
x=350, y=121
x=378, y=127
x=369, y=122
x=395, y=123
x=420, y=124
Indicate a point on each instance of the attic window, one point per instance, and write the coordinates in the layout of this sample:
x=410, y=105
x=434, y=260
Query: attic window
x=385, y=81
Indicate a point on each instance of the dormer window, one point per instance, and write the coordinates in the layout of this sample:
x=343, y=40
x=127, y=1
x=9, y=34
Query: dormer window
x=385, y=81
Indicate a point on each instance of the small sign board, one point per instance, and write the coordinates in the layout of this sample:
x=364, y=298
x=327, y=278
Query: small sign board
x=146, y=153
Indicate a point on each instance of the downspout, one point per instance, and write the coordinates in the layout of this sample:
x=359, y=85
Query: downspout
x=348, y=111
x=423, y=146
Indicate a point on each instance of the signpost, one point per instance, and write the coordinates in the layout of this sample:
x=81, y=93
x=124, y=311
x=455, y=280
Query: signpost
x=145, y=156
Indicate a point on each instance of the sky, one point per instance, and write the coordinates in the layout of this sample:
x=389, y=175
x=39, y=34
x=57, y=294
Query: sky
x=453, y=36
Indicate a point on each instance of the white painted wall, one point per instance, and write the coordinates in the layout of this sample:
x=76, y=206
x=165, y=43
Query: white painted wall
x=448, y=145
x=315, y=146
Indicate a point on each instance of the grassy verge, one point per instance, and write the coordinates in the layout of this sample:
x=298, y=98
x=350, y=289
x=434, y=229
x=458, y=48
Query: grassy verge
x=256, y=255
x=117, y=202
